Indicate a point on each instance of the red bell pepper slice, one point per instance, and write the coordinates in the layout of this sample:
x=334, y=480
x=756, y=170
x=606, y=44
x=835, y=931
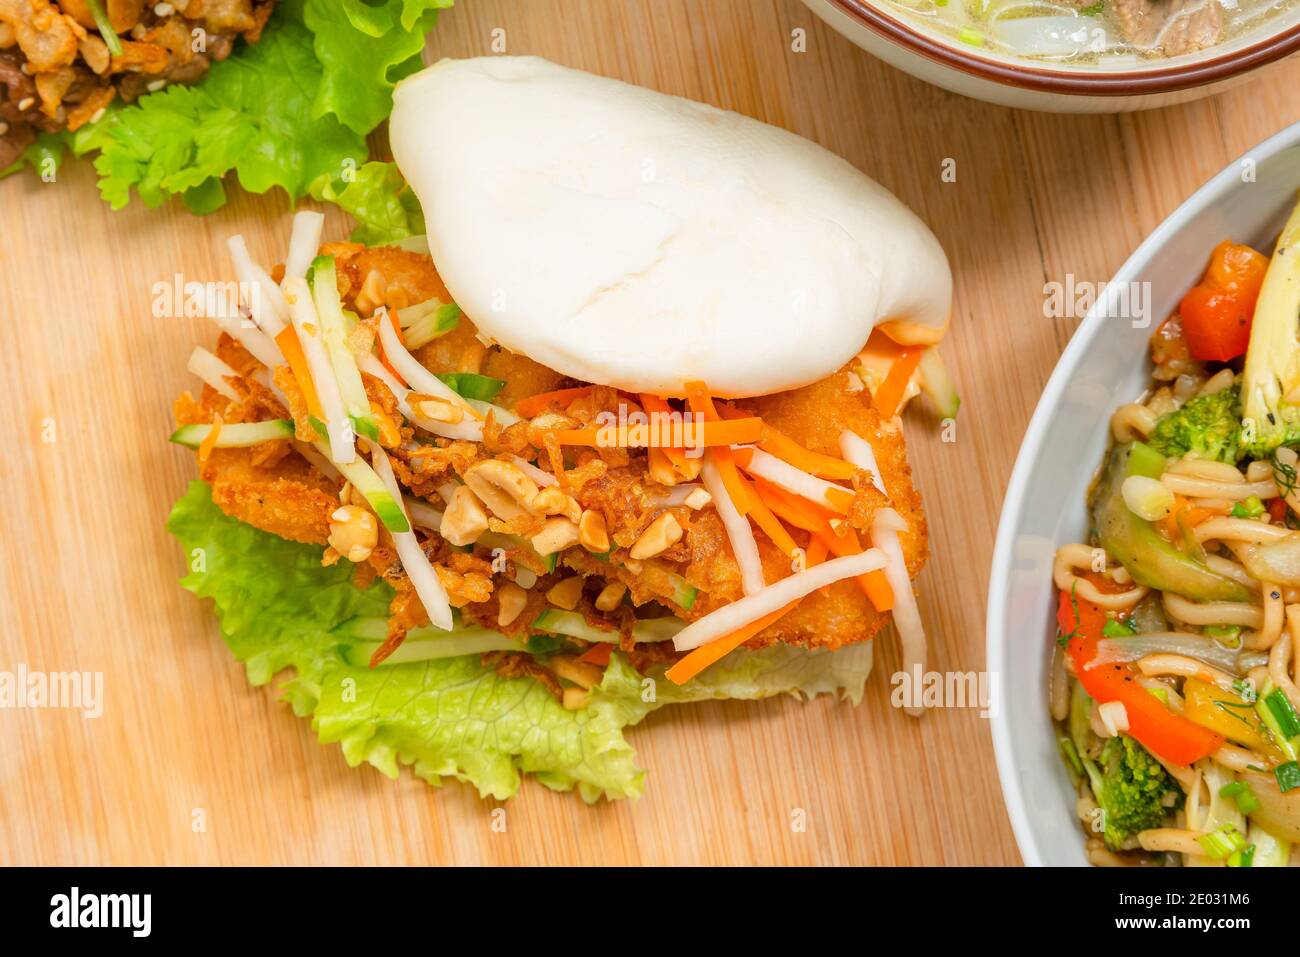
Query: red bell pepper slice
x=1165, y=734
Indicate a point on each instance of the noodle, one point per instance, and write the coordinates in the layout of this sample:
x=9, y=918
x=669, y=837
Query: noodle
x=1171, y=839
x=1271, y=629
x=1070, y=557
x=1213, y=613
x=1280, y=660
x=1184, y=667
x=1132, y=422
x=1221, y=380
x=1208, y=470
x=1230, y=569
x=1239, y=759
x=1238, y=530
x=1207, y=488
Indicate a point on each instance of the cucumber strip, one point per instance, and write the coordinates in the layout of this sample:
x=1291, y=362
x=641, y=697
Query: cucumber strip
x=363, y=628
x=471, y=385
x=937, y=384
x=511, y=543
x=454, y=644
x=373, y=489
x=237, y=436
x=323, y=278
x=504, y=417
x=375, y=628
x=573, y=625
x=684, y=593
x=423, y=323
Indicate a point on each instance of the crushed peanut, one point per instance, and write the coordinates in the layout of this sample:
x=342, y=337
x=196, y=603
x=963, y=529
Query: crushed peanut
x=440, y=410
x=698, y=499
x=503, y=487
x=511, y=600
x=354, y=532
x=582, y=674
x=556, y=535
x=663, y=533
x=465, y=518
x=551, y=501
x=575, y=699
x=593, y=535
x=566, y=593
x=611, y=596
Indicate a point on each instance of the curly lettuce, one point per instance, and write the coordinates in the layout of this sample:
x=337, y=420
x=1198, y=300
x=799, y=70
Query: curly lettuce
x=374, y=196
x=289, y=111
x=451, y=718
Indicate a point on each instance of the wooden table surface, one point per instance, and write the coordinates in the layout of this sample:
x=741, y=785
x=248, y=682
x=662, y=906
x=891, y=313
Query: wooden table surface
x=88, y=575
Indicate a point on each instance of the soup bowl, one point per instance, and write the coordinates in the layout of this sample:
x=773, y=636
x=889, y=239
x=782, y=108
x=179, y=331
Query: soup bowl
x=1105, y=365
x=907, y=42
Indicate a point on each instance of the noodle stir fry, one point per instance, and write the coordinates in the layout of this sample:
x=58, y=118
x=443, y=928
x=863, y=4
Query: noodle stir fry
x=1174, y=683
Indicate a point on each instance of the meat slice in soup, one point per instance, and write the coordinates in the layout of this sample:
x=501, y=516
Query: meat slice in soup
x=1171, y=27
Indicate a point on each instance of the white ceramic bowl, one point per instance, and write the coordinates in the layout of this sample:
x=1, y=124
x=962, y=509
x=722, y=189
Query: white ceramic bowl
x=1105, y=365
x=915, y=48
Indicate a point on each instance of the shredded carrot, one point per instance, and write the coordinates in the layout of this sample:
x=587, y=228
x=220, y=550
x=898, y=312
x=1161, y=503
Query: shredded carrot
x=816, y=554
x=701, y=402
x=692, y=664
x=840, y=499
x=210, y=440
x=699, y=659
x=535, y=405
x=873, y=584
x=383, y=358
x=713, y=434
x=287, y=340
x=836, y=499
x=597, y=655
x=768, y=522
x=889, y=397
x=798, y=512
x=788, y=450
x=653, y=405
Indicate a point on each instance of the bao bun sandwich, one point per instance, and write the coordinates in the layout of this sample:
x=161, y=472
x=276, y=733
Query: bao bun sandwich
x=621, y=431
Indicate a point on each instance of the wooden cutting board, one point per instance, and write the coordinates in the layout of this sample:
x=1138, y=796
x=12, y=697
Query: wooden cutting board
x=88, y=575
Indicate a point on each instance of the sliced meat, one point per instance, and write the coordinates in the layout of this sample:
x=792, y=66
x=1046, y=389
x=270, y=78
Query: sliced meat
x=1170, y=27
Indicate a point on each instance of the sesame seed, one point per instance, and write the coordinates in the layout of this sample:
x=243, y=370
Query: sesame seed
x=164, y=10
x=27, y=103
x=4, y=128
x=98, y=115
x=156, y=85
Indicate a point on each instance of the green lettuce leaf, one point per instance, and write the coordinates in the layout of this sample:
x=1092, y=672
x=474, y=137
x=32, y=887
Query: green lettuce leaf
x=376, y=197
x=359, y=89
x=291, y=111
x=452, y=718
x=253, y=114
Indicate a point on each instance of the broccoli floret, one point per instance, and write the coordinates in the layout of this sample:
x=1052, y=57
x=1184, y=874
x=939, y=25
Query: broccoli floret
x=1209, y=425
x=1135, y=787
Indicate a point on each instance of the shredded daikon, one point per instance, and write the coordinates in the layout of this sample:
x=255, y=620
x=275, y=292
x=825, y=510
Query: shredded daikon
x=304, y=241
x=471, y=430
x=738, y=531
x=212, y=371
x=774, y=597
x=267, y=304
x=792, y=479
